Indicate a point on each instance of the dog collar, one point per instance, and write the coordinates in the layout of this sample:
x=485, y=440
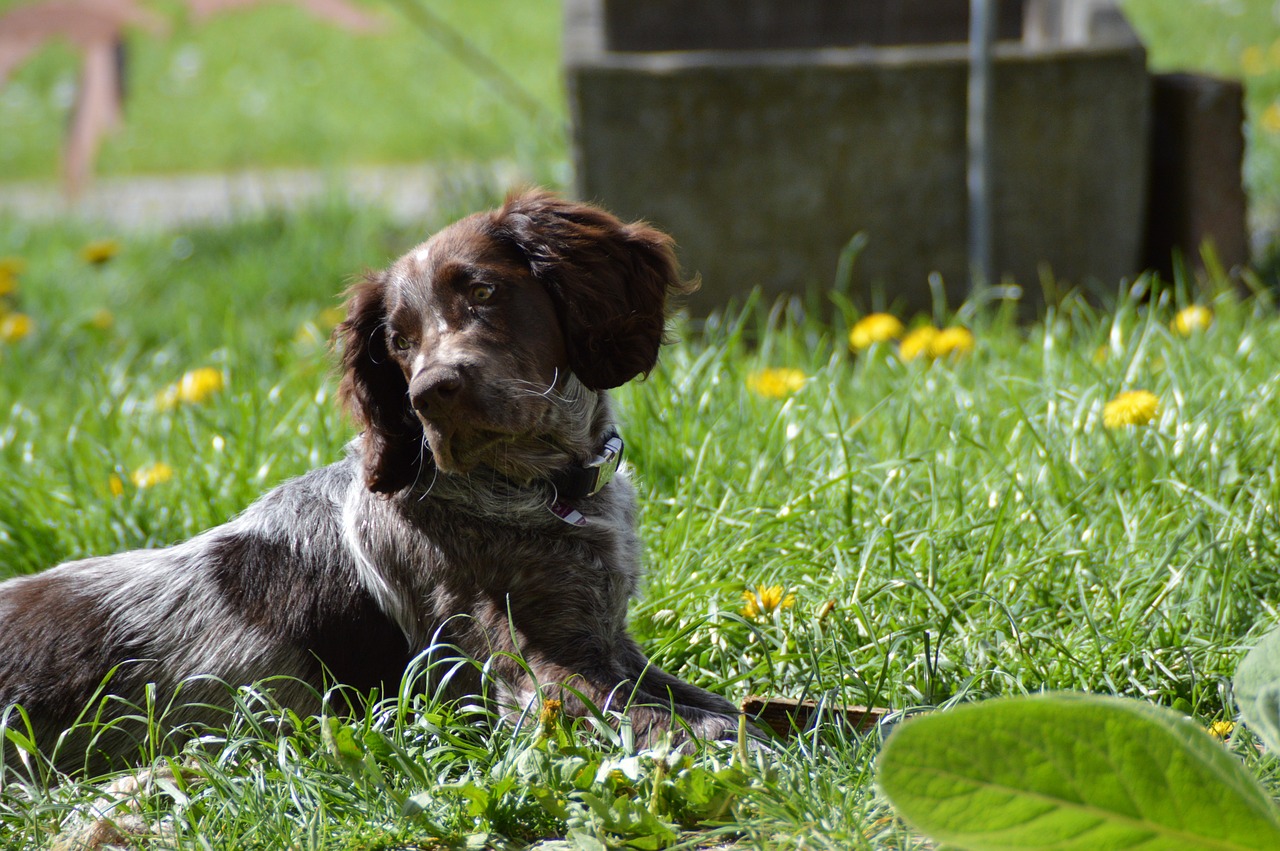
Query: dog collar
x=590, y=478
x=586, y=480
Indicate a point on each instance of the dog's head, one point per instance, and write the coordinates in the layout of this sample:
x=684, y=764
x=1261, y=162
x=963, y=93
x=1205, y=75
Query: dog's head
x=486, y=345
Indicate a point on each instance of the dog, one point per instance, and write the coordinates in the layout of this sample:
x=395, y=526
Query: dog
x=482, y=508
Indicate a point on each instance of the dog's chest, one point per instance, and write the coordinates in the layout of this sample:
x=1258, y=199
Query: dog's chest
x=430, y=560
x=540, y=587
x=524, y=554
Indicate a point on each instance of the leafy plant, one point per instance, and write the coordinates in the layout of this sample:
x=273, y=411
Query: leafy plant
x=1070, y=771
x=563, y=779
x=1257, y=689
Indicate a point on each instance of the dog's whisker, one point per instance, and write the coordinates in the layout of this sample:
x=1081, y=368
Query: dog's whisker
x=424, y=451
x=529, y=389
x=555, y=377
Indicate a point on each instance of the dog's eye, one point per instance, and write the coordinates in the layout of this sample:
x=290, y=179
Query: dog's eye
x=481, y=293
x=401, y=343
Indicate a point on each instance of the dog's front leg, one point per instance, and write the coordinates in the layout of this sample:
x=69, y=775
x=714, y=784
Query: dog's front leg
x=625, y=681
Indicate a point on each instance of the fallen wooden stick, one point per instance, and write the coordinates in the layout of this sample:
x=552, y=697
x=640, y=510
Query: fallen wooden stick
x=787, y=717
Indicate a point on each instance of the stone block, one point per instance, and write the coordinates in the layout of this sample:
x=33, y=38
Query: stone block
x=1197, y=155
x=768, y=24
x=763, y=163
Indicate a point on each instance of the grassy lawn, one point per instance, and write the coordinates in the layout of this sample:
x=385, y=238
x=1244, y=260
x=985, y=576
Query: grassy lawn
x=950, y=530
x=275, y=87
x=933, y=531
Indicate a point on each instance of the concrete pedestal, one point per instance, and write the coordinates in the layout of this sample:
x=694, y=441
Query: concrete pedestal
x=763, y=162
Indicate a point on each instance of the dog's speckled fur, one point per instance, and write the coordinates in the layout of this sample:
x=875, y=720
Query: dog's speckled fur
x=477, y=366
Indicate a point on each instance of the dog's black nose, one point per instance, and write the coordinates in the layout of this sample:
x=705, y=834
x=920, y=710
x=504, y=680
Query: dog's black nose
x=435, y=391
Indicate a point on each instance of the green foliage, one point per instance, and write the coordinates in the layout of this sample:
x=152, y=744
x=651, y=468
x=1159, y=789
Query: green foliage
x=597, y=799
x=274, y=86
x=406, y=771
x=951, y=530
x=1257, y=689
x=947, y=531
x=1072, y=771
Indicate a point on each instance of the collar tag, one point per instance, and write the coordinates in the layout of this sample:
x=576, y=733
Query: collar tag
x=567, y=513
x=606, y=464
x=587, y=480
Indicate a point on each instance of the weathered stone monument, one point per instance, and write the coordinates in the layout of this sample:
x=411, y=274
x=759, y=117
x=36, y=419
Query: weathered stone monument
x=764, y=134
x=1197, y=149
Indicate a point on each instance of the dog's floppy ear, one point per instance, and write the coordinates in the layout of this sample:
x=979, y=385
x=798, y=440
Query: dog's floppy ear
x=374, y=390
x=610, y=282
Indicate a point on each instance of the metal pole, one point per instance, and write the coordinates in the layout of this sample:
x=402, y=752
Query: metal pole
x=982, y=28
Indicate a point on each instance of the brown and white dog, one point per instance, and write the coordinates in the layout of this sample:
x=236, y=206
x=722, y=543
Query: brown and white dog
x=475, y=511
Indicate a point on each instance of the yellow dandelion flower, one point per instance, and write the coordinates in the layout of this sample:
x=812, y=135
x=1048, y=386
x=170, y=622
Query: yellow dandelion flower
x=198, y=385
x=100, y=251
x=951, y=341
x=1192, y=319
x=549, y=716
x=11, y=268
x=1221, y=729
x=102, y=319
x=874, y=328
x=766, y=600
x=1253, y=61
x=15, y=327
x=917, y=343
x=1270, y=119
x=193, y=388
x=152, y=475
x=116, y=485
x=776, y=382
x=1131, y=408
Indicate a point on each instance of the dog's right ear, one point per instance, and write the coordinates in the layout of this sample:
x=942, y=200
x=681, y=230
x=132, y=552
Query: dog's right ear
x=374, y=390
x=610, y=281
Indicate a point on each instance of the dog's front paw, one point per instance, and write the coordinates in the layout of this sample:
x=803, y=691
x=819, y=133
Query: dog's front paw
x=725, y=729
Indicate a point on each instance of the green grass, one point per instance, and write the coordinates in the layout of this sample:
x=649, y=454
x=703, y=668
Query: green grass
x=272, y=86
x=976, y=529
x=950, y=531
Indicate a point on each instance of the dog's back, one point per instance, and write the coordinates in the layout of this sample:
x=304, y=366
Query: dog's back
x=273, y=593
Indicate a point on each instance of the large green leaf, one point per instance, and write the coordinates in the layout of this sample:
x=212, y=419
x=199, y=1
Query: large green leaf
x=1068, y=771
x=1257, y=688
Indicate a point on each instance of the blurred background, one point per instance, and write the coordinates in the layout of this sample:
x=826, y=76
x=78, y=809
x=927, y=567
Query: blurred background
x=276, y=84
x=211, y=108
